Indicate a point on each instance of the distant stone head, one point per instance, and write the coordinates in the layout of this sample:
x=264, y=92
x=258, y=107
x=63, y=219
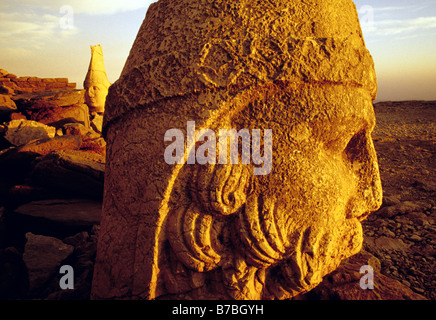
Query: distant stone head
x=96, y=82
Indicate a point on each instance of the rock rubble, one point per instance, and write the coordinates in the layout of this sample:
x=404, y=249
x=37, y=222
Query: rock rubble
x=52, y=163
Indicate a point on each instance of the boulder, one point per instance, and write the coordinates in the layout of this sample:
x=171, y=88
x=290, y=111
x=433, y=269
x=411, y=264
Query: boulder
x=49, y=99
x=385, y=244
x=8, y=84
x=80, y=130
x=76, y=172
x=7, y=104
x=20, y=132
x=22, y=193
x=85, y=245
x=64, y=212
x=6, y=90
x=402, y=208
x=48, y=145
x=344, y=283
x=97, y=146
x=3, y=73
x=17, y=116
x=43, y=257
x=58, y=116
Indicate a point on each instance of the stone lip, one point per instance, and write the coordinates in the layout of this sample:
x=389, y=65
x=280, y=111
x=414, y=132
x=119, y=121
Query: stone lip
x=240, y=49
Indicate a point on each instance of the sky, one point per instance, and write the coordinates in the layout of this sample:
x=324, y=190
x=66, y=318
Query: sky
x=51, y=38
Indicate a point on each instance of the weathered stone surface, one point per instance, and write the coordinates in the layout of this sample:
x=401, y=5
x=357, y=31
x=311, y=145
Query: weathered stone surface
x=20, y=132
x=6, y=90
x=218, y=231
x=49, y=99
x=344, y=283
x=401, y=209
x=33, y=84
x=43, y=256
x=96, y=82
x=17, y=116
x=61, y=115
x=97, y=122
x=97, y=146
x=7, y=104
x=3, y=73
x=241, y=44
x=69, y=212
x=386, y=244
x=79, y=129
x=77, y=172
x=48, y=145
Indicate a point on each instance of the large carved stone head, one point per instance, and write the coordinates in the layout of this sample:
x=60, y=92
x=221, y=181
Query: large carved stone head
x=199, y=228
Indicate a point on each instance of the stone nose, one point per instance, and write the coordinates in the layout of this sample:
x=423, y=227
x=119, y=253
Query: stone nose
x=362, y=157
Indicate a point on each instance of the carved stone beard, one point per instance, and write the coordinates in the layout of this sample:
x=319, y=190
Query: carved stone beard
x=250, y=241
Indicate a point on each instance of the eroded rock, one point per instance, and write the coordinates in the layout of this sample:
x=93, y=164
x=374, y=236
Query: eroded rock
x=67, y=212
x=48, y=145
x=43, y=256
x=75, y=171
x=20, y=132
x=7, y=104
x=49, y=99
x=345, y=283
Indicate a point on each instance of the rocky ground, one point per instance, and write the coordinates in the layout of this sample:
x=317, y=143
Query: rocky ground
x=402, y=235
x=52, y=166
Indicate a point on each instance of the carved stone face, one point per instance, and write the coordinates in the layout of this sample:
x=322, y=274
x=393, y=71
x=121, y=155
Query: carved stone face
x=214, y=231
x=295, y=225
x=96, y=83
x=95, y=95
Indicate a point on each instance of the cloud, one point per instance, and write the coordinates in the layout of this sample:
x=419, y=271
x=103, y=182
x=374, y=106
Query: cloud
x=91, y=7
x=29, y=23
x=398, y=26
x=30, y=29
x=394, y=8
x=108, y=6
x=402, y=20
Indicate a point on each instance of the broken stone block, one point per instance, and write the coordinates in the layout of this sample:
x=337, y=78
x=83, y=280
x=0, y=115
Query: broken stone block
x=20, y=132
x=43, y=256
